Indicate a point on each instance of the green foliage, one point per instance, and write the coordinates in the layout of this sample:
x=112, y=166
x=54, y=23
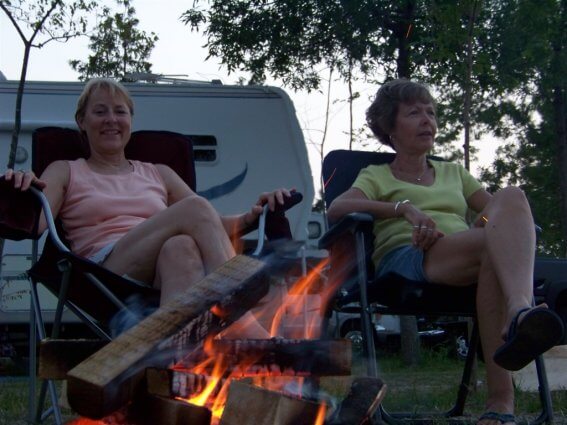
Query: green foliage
x=119, y=47
x=38, y=23
x=42, y=21
x=530, y=67
x=291, y=39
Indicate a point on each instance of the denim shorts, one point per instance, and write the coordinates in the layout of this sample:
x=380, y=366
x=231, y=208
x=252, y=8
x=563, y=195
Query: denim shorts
x=103, y=253
x=406, y=261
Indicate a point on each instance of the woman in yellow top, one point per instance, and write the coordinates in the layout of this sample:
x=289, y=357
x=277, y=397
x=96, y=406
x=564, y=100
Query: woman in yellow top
x=421, y=233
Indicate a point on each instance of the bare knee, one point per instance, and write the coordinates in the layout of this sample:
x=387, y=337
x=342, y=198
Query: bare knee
x=180, y=251
x=512, y=199
x=198, y=211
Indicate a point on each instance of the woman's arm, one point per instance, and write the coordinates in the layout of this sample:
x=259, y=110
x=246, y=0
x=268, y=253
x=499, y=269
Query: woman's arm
x=176, y=188
x=354, y=200
x=53, y=182
x=477, y=202
x=236, y=223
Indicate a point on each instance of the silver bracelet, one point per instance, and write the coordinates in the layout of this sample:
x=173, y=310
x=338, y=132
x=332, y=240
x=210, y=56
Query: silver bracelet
x=397, y=204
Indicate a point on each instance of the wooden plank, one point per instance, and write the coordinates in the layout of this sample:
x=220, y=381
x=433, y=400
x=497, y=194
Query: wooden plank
x=250, y=405
x=59, y=356
x=108, y=379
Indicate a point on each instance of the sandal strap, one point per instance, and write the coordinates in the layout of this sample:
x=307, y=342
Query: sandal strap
x=514, y=324
x=496, y=416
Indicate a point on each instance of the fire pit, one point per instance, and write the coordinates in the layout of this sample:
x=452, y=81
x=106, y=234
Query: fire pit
x=180, y=366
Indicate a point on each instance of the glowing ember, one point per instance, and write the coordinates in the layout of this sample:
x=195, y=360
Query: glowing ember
x=117, y=418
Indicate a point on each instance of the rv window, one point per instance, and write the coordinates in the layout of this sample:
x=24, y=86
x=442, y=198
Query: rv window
x=204, y=148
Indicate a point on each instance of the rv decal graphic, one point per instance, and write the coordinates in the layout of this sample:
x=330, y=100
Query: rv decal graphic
x=224, y=188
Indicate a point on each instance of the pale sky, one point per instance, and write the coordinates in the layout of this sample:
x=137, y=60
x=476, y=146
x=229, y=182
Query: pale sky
x=179, y=51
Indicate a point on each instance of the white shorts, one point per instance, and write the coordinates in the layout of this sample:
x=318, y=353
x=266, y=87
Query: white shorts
x=102, y=254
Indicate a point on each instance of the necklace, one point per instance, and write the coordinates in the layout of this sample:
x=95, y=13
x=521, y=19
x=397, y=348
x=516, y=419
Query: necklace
x=418, y=178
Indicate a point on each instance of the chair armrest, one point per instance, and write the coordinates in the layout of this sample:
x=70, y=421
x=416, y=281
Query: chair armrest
x=19, y=212
x=276, y=224
x=351, y=223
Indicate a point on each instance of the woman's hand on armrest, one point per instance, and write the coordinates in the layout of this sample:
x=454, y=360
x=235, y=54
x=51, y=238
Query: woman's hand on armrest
x=24, y=179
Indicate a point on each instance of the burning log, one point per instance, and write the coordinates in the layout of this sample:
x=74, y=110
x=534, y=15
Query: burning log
x=250, y=405
x=108, y=379
x=278, y=356
x=58, y=356
x=172, y=383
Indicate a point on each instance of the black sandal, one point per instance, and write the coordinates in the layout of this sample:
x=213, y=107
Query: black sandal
x=502, y=418
x=539, y=330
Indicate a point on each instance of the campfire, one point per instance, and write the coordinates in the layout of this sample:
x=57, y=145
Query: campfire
x=231, y=350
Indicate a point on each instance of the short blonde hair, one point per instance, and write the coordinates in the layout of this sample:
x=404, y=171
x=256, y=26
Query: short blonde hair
x=114, y=87
x=381, y=115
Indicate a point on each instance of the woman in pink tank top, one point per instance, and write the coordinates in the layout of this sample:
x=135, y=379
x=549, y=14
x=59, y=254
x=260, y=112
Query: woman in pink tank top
x=169, y=237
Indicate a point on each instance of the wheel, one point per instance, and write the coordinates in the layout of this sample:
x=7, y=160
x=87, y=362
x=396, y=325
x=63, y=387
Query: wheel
x=356, y=339
x=461, y=347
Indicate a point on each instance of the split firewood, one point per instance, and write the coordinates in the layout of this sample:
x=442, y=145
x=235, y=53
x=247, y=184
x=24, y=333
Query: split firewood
x=108, y=379
x=250, y=405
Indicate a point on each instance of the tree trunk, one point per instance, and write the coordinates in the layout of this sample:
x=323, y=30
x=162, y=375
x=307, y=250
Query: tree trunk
x=468, y=87
x=410, y=348
x=18, y=114
x=561, y=143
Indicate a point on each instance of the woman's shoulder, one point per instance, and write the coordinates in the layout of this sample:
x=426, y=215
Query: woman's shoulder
x=376, y=168
x=59, y=166
x=441, y=164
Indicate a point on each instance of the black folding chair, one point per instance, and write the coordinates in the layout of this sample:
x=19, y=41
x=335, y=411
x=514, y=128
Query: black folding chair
x=94, y=294
x=350, y=243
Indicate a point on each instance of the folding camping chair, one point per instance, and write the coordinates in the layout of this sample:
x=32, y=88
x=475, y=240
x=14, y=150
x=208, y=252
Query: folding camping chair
x=91, y=292
x=393, y=294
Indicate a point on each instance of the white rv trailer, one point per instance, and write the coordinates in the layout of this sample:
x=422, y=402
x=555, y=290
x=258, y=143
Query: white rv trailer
x=247, y=141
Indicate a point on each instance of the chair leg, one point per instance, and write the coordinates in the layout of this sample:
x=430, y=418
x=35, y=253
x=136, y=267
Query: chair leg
x=365, y=313
x=459, y=406
x=465, y=386
x=546, y=415
x=37, y=330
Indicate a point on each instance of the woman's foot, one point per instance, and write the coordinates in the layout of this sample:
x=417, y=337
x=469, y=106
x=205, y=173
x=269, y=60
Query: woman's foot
x=531, y=333
x=490, y=417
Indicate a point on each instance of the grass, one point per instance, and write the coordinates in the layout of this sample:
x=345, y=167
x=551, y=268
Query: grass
x=431, y=386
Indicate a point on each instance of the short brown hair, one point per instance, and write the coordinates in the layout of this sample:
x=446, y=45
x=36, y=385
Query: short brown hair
x=381, y=115
x=114, y=87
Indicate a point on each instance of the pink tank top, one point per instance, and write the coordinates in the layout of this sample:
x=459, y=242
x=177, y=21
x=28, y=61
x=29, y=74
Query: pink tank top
x=99, y=209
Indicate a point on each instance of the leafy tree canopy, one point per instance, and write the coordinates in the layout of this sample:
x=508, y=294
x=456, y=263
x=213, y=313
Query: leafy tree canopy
x=119, y=47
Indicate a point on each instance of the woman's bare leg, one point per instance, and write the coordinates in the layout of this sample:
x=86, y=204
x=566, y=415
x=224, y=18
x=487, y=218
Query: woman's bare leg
x=491, y=317
x=507, y=240
x=179, y=265
x=510, y=245
x=136, y=253
x=500, y=258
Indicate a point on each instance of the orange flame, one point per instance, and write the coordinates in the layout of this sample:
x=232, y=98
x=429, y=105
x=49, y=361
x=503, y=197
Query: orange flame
x=217, y=374
x=292, y=302
x=295, y=303
x=321, y=414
